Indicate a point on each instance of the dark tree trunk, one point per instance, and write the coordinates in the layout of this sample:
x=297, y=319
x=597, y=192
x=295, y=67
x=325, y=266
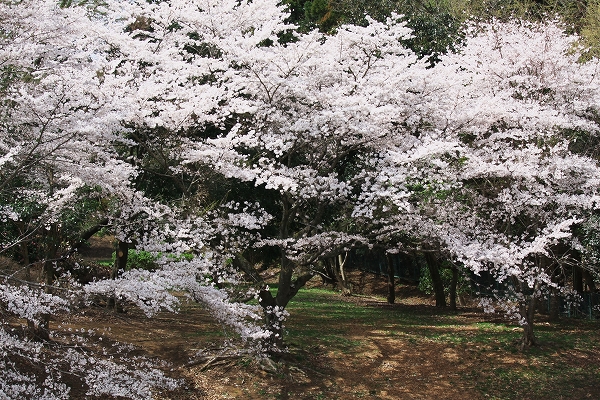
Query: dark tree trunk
x=285, y=289
x=528, y=311
x=50, y=255
x=242, y=264
x=272, y=323
x=24, y=250
x=270, y=304
x=391, y=297
x=41, y=330
x=86, y=235
x=329, y=275
x=578, y=283
x=554, y=295
x=26, y=261
x=121, y=254
x=436, y=280
x=554, y=306
x=453, y=285
x=577, y=279
x=589, y=280
x=528, y=338
x=339, y=273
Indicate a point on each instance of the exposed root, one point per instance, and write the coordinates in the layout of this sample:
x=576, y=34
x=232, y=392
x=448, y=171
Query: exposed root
x=212, y=361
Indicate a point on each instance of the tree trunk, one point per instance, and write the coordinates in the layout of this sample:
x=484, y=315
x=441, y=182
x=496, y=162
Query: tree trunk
x=86, y=235
x=554, y=306
x=270, y=304
x=528, y=312
x=339, y=273
x=50, y=256
x=329, y=276
x=436, y=279
x=346, y=287
x=25, y=255
x=577, y=279
x=391, y=297
x=558, y=278
x=578, y=284
x=528, y=338
x=41, y=330
x=24, y=249
x=121, y=254
x=273, y=324
x=589, y=280
x=287, y=287
x=453, y=284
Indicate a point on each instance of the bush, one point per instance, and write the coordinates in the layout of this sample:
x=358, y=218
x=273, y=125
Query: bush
x=139, y=259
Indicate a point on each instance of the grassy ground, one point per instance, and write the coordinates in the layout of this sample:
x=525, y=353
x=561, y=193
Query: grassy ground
x=361, y=347
x=433, y=353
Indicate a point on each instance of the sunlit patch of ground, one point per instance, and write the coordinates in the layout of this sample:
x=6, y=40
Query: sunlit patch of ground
x=360, y=347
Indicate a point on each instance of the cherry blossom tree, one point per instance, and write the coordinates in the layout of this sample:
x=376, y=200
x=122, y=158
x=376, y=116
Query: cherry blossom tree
x=58, y=132
x=77, y=84
x=492, y=177
x=173, y=66
x=321, y=108
x=57, y=135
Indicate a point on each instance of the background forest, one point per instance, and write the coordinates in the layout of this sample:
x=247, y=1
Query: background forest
x=216, y=141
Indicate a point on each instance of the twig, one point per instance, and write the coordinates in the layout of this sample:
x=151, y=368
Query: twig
x=211, y=360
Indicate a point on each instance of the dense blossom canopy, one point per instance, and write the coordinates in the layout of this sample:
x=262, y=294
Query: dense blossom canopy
x=348, y=138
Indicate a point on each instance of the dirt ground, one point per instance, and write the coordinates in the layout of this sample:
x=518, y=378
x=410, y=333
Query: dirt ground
x=382, y=366
x=100, y=248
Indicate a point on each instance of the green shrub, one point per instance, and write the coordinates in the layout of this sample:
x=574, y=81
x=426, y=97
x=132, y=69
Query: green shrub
x=140, y=259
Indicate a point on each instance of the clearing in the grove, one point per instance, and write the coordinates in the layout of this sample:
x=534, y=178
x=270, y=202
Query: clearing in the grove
x=347, y=347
